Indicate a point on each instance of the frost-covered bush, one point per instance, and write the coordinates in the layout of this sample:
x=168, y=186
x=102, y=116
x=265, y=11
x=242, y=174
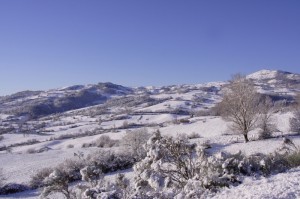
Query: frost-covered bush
x=91, y=174
x=105, y=141
x=295, y=122
x=109, y=161
x=56, y=182
x=69, y=146
x=37, y=179
x=171, y=163
x=255, y=165
x=194, y=135
x=133, y=141
x=119, y=189
x=31, y=151
x=293, y=159
x=72, y=168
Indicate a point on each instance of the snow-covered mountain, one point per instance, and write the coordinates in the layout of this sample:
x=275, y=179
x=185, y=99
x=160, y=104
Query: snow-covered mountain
x=276, y=78
x=41, y=103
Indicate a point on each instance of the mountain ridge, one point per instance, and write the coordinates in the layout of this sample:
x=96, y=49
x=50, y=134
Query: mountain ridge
x=42, y=103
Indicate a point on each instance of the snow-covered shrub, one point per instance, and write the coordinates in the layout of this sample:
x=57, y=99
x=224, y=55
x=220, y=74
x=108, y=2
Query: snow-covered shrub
x=91, y=174
x=109, y=161
x=134, y=140
x=295, y=122
x=31, y=151
x=1, y=137
x=171, y=163
x=194, y=135
x=69, y=146
x=122, y=186
x=37, y=179
x=119, y=189
x=193, y=189
x=72, y=168
x=253, y=165
x=293, y=159
x=56, y=182
x=105, y=141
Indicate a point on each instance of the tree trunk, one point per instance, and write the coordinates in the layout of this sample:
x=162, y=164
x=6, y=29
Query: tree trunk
x=246, y=137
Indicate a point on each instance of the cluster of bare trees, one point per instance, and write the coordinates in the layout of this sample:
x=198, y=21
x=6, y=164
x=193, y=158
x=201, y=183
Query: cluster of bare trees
x=246, y=109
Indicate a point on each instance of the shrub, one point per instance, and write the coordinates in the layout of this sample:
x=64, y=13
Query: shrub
x=56, y=182
x=1, y=137
x=99, y=188
x=295, y=122
x=85, y=145
x=104, y=141
x=134, y=141
x=110, y=161
x=31, y=150
x=293, y=159
x=70, y=146
x=184, y=121
x=194, y=135
x=171, y=163
x=36, y=180
x=91, y=174
x=72, y=168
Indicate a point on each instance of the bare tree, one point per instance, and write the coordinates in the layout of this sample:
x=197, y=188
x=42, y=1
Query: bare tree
x=134, y=141
x=240, y=105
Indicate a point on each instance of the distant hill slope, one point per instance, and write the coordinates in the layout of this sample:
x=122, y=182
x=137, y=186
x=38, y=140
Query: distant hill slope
x=279, y=84
x=41, y=103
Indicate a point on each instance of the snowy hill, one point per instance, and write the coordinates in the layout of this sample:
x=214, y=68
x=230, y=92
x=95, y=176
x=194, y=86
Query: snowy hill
x=276, y=79
x=41, y=103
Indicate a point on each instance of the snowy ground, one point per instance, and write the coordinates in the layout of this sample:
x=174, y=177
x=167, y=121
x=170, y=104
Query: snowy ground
x=283, y=185
x=19, y=165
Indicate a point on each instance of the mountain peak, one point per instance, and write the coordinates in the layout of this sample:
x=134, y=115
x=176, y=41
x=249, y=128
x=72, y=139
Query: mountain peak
x=267, y=74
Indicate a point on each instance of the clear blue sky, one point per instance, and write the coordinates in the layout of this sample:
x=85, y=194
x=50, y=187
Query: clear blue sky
x=53, y=43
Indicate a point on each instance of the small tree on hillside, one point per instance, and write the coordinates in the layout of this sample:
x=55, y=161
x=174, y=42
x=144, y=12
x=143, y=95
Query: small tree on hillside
x=240, y=105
